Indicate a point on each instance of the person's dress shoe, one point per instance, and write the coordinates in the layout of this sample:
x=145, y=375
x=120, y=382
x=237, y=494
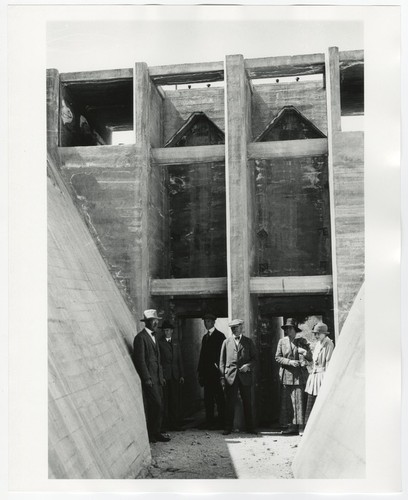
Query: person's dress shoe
x=162, y=438
x=226, y=432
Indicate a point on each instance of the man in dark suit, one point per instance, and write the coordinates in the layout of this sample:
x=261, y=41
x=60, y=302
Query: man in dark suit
x=146, y=357
x=172, y=365
x=208, y=373
x=237, y=362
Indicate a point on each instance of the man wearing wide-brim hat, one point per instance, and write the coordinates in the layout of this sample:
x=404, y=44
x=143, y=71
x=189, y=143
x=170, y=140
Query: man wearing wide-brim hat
x=293, y=377
x=237, y=362
x=146, y=357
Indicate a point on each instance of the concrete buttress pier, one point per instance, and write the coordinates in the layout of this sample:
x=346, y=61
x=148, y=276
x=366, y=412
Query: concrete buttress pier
x=96, y=418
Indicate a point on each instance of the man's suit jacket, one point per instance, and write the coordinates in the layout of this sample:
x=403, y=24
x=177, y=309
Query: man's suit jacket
x=208, y=364
x=146, y=357
x=290, y=375
x=171, y=361
x=233, y=357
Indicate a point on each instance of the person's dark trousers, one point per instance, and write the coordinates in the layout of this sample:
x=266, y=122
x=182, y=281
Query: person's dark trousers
x=213, y=394
x=171, y=397
x=153, y=404
x=231, y=393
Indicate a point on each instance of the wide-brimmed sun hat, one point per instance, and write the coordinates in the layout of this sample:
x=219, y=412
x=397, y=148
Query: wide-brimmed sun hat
x=150, y=314
x=235, y=322
x=291, y=322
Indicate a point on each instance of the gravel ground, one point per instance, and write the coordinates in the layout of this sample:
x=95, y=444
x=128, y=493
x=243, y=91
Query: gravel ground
x=199, y=454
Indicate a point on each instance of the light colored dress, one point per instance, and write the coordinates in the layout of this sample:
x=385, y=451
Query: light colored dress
x=321, y=357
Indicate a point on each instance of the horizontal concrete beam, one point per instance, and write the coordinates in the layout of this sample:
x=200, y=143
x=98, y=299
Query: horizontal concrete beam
x=97, y=156
x=214, y=71
x=270, y=67
x=95, y=76
x=178, y=74
x=351, y=56
x=189, y=286
x=286, y=149
x=292, y=285
x=189, y=154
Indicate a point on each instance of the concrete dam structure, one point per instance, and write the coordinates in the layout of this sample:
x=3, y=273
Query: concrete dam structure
x=240, y=195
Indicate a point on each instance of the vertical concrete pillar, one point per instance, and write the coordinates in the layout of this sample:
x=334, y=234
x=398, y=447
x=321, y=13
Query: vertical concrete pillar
x=332, y=77
x=238, y=199
x=139, y=284
x=53, y=94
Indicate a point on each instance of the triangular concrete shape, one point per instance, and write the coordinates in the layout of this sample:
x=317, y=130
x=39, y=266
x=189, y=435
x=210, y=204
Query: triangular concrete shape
x=290, y=124
x=198, y=130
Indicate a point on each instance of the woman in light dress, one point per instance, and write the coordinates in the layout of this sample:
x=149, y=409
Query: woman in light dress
x=321, y=356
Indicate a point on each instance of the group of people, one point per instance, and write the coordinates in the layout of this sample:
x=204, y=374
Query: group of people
x=226, y=366
x=299, y=388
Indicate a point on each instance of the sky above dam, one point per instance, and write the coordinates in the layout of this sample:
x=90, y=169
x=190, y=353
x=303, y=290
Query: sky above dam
x=101, y=37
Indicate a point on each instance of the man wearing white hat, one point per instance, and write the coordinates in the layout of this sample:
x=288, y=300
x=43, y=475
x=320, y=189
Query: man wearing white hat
x=146, y=357
x=237, y=362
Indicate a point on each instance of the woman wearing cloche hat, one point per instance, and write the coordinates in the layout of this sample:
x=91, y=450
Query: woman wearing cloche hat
x=321, y=356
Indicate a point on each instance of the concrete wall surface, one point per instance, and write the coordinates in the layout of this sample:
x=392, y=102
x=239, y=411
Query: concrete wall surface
x=333, y=445
x=96, y=417
x=348, y=166
x=268, y=99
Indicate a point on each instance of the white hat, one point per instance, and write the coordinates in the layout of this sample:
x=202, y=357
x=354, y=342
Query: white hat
x=150, y=314
x=235, y=322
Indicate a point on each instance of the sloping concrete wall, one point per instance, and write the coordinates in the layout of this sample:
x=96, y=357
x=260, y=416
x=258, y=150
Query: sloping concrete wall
x=333, y=446
x=96, y=416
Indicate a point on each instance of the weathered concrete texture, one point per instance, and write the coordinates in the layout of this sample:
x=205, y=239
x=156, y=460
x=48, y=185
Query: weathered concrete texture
x=180, y=104
x=96, y=417
x=239, y=188
x=103, y=187
x=197, y=220
x=268, y=99
x=333, y=446
x=156, y=118
x=293, y=217
x=53, y=107
x=158, y=235
x=198, y=130
x=348, y=166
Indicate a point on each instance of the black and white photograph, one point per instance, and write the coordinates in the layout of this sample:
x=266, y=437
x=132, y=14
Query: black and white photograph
x=207, y=243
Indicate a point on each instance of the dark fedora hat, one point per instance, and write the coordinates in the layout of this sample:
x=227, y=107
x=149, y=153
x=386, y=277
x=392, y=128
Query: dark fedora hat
x=209, y=316
x=291, y=322
x=167, y=324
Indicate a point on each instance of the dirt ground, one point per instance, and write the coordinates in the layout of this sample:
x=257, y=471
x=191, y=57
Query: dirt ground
x=200, y=454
